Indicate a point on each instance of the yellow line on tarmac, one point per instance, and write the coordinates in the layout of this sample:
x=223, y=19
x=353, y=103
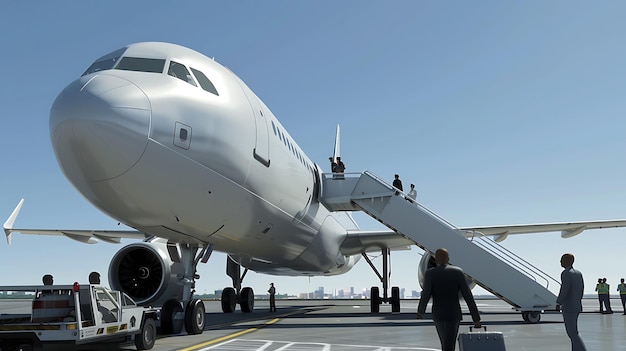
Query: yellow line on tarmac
x=230, y=336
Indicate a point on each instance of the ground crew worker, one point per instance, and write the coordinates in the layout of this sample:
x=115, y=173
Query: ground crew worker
x=603, y=294
x=600, y=300
x=272, y=291
x=622, y=294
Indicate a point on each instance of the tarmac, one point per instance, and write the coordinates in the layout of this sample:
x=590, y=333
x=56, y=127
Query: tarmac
x=347, y=325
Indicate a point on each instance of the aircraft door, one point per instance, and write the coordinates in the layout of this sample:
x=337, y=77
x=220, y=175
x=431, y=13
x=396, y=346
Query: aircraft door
x=261, y=150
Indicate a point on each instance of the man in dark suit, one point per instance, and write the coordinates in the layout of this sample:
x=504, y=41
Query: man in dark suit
x=444, y=283
x=570, y=296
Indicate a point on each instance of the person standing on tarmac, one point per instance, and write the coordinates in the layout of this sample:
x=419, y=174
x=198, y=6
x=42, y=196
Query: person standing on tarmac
x=600, y=299
x=444, y=283
x=622, y=293
x=570, y=300
x=606, y=288
x=272, y=291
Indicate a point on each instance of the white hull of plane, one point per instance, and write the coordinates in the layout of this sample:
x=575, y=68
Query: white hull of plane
x=119, y=148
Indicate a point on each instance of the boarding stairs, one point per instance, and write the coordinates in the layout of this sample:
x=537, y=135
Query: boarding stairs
x=484, y=261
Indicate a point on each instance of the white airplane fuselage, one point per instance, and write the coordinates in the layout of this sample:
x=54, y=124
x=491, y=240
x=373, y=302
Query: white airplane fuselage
x=194, y=162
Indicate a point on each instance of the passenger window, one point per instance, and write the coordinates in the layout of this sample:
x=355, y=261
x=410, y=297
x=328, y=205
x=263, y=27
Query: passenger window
x=139, y=64
x=179, y=71
x=205, y=83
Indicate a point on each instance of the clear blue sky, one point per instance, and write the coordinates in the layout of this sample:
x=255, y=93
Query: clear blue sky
x=500, y=113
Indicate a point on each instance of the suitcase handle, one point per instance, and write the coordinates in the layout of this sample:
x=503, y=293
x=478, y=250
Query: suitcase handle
x=484, y=327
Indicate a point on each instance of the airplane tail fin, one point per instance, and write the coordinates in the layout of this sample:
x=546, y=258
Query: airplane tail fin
x=337, y=149
x=8, y=225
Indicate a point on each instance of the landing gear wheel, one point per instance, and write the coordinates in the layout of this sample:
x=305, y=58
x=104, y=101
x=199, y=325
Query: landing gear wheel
x=145, y=340
x=194, y=317
x=246, y=300
x=169, y=324
x=395, y=299
x=374, y=299
x=229, y=300
x=531, y=316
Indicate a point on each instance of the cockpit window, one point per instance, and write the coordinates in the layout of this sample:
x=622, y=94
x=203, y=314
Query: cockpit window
x=179, y=71
x=105, y=62
x=205, y=83
x=141, y=64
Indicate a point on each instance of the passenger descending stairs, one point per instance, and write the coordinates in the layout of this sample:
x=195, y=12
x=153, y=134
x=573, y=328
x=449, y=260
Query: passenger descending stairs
x=485, y=262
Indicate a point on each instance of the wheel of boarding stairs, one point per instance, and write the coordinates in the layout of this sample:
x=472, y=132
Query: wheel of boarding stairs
x=532, y=316
x=374, y=299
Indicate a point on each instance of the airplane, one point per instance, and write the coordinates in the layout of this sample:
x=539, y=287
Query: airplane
x=176, y=146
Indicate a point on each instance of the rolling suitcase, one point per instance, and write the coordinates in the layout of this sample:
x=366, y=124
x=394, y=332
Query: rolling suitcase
x=481, y=341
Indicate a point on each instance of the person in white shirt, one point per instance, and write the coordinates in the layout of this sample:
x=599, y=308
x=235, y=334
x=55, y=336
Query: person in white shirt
x=412, y=193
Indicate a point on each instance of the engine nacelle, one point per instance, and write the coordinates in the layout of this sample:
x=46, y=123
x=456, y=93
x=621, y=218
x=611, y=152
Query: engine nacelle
x=427, y=262
x=146, y=272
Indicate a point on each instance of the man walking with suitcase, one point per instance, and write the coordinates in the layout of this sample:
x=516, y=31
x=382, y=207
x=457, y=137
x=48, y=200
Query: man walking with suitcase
x=570, y=296
x=444, y=283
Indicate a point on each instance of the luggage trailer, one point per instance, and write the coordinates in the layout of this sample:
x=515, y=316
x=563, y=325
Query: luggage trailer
x=75, y=314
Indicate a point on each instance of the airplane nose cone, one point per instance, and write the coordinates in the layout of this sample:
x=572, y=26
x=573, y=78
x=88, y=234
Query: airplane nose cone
x=99, y=127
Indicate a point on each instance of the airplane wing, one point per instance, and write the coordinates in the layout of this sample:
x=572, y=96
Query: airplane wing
x=567, y=229
x=367, y=241
x=83, y=236
x=359, y=241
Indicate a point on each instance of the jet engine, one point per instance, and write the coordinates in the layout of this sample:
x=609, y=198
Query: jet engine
x=147, y=273
x=427, y=262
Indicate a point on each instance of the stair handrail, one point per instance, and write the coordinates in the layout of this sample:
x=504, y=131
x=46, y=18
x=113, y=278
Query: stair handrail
x=492, y=246
x=414, y=202
x=336, y=176
x=511, y=258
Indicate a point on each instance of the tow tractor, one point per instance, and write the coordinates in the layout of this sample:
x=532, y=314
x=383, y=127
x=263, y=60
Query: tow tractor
x=63, y=316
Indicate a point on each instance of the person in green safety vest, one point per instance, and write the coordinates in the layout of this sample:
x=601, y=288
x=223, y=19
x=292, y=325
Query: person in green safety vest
x=600, y=299
x=622, y=294
x=606, y=298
